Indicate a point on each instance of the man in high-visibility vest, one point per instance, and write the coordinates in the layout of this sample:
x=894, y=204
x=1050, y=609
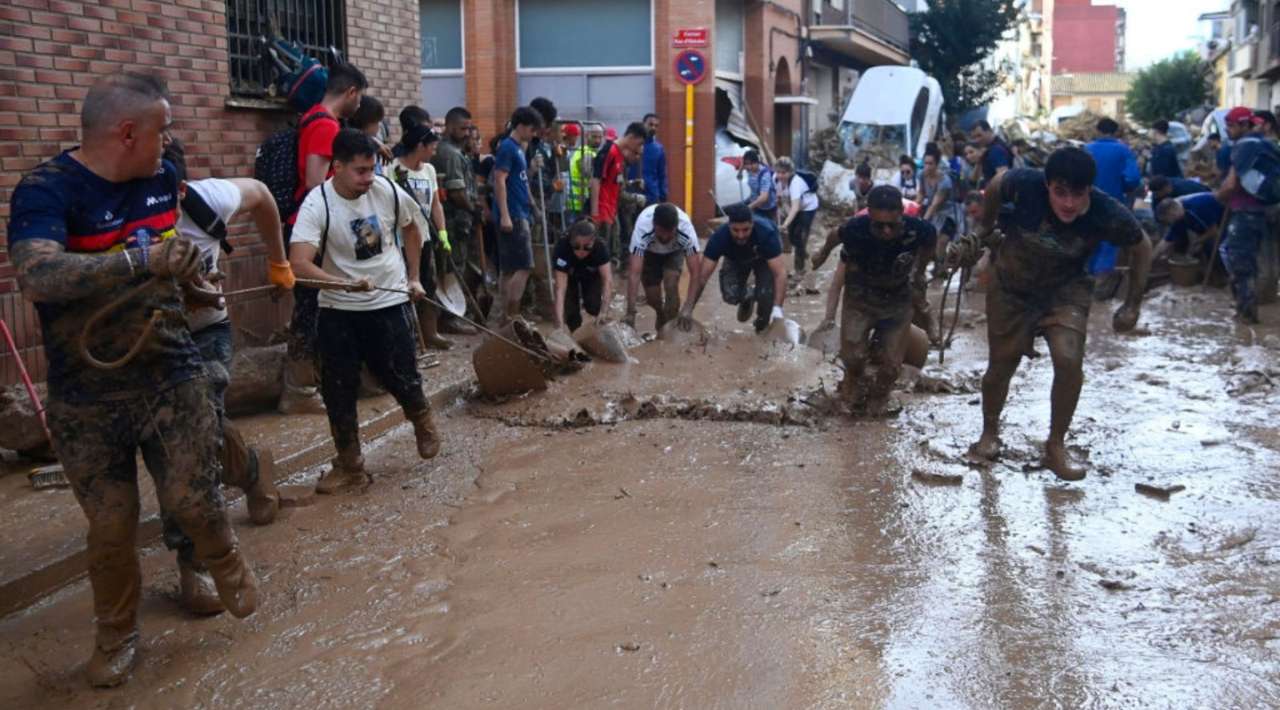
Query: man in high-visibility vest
x=581, y=160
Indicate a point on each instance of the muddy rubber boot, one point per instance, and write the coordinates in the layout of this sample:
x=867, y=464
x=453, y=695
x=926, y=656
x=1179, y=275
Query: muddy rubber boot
x=430, y=318
x=197, y=592
x=262, y=499
x=300, y=396
x=744, y=310
x=111, y=665
x=347, y=472
x=237, y=584
x=456, y=326
x=428, y=436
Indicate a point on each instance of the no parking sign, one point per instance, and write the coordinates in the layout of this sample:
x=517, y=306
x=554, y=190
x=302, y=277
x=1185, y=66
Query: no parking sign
x=691, y=67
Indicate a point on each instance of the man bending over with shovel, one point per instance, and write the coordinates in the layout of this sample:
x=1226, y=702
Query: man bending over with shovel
x=346, y=236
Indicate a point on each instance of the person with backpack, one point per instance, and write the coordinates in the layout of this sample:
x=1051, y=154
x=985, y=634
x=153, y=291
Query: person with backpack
x=346, y=233
x=1254, y=164
x=415, y=174
x=802, y=186
x=763, y=199
x=310, y=146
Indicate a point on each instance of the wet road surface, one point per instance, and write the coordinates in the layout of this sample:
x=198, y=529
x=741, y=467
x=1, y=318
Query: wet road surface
x=728, y=546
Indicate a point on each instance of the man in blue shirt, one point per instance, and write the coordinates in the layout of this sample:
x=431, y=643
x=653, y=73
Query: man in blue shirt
x=763, y=200
x=1162, y=187
x=512, y=207
x=996, y=157
x=1117, y=176
x=1164, y=157
x=1192, y=221
x=750, y=245
x=653, y=163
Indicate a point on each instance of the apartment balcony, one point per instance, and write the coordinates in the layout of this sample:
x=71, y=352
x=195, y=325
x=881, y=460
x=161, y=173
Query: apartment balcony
x=869, y=32
x=1241, y=61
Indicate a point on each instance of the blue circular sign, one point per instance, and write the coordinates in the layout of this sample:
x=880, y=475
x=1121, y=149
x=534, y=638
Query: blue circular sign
x=691, y=67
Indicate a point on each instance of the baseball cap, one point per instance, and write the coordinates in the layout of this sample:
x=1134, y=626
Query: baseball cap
x=571, y=130
x=611, y=134
x=1240, y=114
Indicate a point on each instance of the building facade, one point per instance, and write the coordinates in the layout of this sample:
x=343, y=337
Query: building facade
x=1087, y=38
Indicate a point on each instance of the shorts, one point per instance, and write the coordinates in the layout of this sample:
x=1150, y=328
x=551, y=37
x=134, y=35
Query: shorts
x=1011, y=314
x=656, y=265
x=515, y=249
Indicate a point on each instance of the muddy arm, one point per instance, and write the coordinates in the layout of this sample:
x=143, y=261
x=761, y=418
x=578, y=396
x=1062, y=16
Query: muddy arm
x=562, y=285
x=706, y=268
x=779, y=269
x=606, y=290
x=695, y=272
x=833, y=240
x=1139, y=269
x=256, y=199
x=48, y=274
x=635, y=264
x=991, y=202
x=834, y=291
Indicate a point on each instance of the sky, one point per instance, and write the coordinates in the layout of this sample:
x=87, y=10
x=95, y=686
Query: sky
x=1156, y=29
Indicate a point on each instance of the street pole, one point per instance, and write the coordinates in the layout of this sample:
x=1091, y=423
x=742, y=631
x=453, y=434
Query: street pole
x=688, y=149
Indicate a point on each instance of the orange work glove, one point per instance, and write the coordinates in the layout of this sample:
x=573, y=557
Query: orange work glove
x=279, y=273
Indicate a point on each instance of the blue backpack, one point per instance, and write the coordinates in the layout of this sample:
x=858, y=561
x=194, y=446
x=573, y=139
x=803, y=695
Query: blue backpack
x=300, y=79
x=1257, y=164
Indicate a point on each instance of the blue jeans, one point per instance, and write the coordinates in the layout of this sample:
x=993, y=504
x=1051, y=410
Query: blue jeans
x=1239, y=252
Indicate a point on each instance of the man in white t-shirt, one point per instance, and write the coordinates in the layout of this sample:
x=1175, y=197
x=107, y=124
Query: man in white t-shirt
x=207, y=207
x=355, y=224
x=663, y=237
x=801, y=209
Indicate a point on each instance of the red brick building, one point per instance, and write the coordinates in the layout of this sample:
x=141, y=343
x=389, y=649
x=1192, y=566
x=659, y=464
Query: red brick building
x=1087, y=38
x=606, y=60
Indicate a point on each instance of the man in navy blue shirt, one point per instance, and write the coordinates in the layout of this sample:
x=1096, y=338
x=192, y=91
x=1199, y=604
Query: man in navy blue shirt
x=1117, y=176
x=512, y=207
x=996, y=157
x=1192, y=221
x=1163, y=187
x=750, y=246
x=1164, y=157
x=653, y=163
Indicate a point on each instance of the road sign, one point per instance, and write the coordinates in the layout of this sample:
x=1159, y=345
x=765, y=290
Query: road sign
x=691, y=67
x=691, y=37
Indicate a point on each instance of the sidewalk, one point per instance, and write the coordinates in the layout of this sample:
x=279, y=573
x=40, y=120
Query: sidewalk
x=43, y=531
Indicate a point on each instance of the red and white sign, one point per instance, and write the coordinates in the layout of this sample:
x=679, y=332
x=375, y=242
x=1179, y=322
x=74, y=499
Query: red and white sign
x=691, y=37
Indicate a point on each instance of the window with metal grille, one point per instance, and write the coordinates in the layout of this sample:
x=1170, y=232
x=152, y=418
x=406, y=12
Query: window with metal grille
x=314, y=24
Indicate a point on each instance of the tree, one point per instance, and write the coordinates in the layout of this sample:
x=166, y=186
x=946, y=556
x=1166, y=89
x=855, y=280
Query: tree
x=951, y=42
x=1167, y=87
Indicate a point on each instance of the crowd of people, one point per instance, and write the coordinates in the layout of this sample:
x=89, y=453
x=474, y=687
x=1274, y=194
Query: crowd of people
x=365, y=230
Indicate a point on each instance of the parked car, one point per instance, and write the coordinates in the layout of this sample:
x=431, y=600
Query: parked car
x=731, y=182
x=893, y=110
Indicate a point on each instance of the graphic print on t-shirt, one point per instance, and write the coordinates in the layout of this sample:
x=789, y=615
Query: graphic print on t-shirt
x=368, y=233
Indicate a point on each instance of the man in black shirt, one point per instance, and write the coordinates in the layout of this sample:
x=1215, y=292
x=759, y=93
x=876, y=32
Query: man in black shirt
x=751, y=247
x=882, y=263
x=584, y=278
x=1042, y=228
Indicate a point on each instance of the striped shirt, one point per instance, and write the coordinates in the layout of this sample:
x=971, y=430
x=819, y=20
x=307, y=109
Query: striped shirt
x=644, y=240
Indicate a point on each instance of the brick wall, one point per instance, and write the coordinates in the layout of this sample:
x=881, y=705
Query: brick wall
x=52, y=50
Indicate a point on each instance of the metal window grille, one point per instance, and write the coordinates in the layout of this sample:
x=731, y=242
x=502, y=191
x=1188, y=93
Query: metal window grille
x=314, y=24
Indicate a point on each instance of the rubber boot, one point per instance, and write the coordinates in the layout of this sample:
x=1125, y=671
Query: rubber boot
x=456, y=326
x=300, y=396
x=116, y=577
x=196, y=590
x=237, y=584
x=262, y=499
x=111, y=665
x=347, y=472
x=429, y=315
x=424, y=430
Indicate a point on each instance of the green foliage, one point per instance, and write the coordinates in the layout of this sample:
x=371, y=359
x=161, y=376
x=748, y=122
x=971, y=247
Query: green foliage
x=951, y=40
x=1167, y=87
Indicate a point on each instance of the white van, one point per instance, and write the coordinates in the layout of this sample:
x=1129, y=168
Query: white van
x=896, y=107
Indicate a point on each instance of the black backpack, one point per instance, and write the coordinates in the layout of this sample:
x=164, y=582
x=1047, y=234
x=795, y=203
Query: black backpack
x=810, y=178
x=276, y=165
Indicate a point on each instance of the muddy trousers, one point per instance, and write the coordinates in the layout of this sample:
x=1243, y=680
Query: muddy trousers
x=873, y=337
x=1239, y=252
x=239, y=461
x=582, y=294
x=177, y=431
x=734, y=288
x=382, y=340
x=798, y=235
x=300, y=364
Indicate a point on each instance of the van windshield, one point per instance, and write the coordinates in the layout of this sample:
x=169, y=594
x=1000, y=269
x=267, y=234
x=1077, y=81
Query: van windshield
x=857, y=136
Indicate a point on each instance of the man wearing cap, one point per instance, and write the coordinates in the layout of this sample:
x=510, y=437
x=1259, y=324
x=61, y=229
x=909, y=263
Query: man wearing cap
x=581, y=158
x=1247, y=225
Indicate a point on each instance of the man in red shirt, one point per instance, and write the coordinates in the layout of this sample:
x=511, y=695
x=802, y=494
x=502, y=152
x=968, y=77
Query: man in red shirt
x=606, y=183
x=317, y=129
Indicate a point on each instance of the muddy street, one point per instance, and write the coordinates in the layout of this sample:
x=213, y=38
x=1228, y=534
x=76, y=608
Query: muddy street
x=693, y=530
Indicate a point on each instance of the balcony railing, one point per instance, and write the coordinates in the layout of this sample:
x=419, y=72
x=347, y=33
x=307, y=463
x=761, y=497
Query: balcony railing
x=882, y=19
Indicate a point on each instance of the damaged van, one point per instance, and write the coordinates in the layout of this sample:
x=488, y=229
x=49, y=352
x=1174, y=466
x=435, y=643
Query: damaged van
x=894, y=111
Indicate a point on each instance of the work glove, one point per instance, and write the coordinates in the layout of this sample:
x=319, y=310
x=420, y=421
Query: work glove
x=776, y=314
x=280, y=273
x=443, y=236
x=176, y=258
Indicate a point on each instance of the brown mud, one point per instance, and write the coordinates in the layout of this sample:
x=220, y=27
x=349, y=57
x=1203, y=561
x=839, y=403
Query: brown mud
x=658, y=534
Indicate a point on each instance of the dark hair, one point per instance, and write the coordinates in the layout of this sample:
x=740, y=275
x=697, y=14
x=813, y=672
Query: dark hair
x=666, y=216
x=1108, y=127
x=1072, y=166
x=981, y=123
x=114, y=98
x=417, y=135
x=526, y=116
x=738, y=213
x=906, y=160
x=176, y=153
x=932, y=148
x=649, y=115
x=974, y=197
x=344, y=77
x=1267, y=117
x=350, y=144
x=456, y=115
x=863, y=170
x=1158, y=183
x=637, y=130
x=884, y=197
x=546, y=109
x=582, y=228
x=1161, y=125
x=1164, y=210
x=751, y=156
x=369, y=112
x=411, y=116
